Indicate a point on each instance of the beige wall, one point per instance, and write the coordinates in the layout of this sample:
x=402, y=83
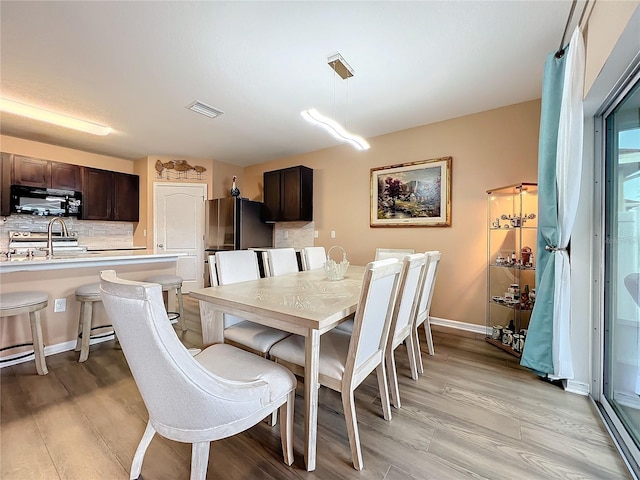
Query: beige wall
x=606, y=21
x=489, y=149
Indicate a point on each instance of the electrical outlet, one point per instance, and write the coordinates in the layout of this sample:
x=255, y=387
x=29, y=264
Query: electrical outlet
x=333, y=234
x=286, y=234
x=60, y=305
x=315, y=234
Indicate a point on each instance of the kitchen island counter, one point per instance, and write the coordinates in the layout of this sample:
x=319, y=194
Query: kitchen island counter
x=59, y=277
x=84, y=259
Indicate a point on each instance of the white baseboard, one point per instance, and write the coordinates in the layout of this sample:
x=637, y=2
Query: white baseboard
x=50, y=350
x=579, y=388
x=571, y=386
x=469, y=327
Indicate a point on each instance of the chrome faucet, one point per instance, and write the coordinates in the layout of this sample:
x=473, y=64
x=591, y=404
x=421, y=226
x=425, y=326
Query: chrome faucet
x=65, y=232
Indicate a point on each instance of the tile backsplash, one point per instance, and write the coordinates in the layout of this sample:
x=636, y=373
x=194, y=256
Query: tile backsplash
x=91, y=234
x=293, y=234
x=97, y=235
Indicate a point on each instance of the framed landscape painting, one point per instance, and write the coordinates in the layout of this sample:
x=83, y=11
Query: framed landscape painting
x=414, y=194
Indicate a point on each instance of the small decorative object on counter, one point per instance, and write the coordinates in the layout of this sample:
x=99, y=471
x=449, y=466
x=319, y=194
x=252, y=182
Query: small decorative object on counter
x=335, y=270
x=499, y=260
x=496, y=223
x=234, y=190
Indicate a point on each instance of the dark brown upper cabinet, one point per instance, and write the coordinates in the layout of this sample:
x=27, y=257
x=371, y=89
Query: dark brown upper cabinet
x=126, y=199
x=288, y=194
x=65, y=176
x=110, y=196
x=35, y=172
x=5, y=184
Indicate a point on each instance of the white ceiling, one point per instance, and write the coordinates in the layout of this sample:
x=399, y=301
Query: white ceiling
x=135, y=66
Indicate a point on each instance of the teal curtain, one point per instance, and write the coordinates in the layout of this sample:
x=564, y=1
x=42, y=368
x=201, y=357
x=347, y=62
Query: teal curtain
x=538, y=349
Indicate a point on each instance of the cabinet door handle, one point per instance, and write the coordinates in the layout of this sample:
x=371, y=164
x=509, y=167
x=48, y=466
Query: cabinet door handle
x=160, y=245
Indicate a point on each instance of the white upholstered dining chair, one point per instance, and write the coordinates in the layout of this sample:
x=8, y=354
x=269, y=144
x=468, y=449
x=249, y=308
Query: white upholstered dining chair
x=346, y=360
x=399, y=253
x=403, y=320
x=215, y=394
x=425, y=305
x=278, y=261
x=235, y=266
x=313, y=258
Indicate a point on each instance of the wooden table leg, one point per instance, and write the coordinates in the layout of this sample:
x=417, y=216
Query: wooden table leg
x=212, y=324
x=312, y=360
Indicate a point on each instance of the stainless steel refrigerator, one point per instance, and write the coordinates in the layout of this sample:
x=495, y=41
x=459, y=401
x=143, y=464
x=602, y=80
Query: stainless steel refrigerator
x=234, y=224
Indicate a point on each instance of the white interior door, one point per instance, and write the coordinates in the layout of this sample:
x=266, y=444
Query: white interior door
x=179, y=218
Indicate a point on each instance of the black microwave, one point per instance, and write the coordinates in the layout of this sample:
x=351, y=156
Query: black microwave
x=45, y=201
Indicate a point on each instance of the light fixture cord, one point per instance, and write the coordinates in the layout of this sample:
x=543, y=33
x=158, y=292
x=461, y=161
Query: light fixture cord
x=335, y=110
x=346, y=114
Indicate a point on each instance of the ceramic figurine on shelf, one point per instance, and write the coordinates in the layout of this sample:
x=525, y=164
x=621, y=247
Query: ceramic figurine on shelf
x=234, y=190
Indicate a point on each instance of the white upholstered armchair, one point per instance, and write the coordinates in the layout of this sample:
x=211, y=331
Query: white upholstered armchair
x=193, y=399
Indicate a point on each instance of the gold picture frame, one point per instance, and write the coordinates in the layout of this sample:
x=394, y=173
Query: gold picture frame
x=416, y=194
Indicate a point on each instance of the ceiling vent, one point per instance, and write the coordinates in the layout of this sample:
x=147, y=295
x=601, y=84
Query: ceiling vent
x=204, y=109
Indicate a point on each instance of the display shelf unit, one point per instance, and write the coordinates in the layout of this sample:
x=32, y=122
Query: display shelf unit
x=512, y=225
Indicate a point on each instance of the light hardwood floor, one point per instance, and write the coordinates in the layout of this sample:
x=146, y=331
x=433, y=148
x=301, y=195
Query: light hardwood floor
x=475, y=413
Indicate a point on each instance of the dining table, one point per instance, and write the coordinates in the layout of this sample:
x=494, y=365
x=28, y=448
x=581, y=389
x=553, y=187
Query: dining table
x=304, y=303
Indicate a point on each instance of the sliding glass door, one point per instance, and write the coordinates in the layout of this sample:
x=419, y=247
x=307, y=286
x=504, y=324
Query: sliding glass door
x=621, y=344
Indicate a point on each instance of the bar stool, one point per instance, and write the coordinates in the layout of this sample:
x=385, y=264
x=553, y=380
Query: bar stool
x=87, y=295
x=31, y=302
x=170, y=283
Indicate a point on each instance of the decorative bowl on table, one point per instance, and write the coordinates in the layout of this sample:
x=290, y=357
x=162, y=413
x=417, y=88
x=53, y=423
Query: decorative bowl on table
x=335, y=270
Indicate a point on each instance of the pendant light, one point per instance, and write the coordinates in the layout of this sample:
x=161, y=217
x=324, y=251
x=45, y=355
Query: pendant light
x=344, y=70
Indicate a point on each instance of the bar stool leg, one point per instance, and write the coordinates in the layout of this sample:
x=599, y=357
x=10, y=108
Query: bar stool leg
x=79, y=337
x=38, y=347
x=183, y=324
x=86, y=312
